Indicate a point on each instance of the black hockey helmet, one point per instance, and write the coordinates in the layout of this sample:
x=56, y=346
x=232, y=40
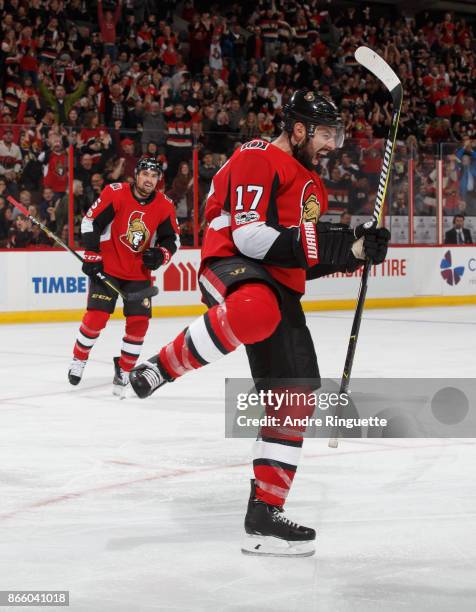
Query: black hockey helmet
x=313, y=110
x=148, y=163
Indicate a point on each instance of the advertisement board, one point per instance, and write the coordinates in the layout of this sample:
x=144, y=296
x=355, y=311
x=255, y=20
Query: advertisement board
x=40, y=281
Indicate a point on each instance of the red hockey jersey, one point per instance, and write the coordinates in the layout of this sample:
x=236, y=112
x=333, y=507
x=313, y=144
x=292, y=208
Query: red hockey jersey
x=56, y=177
x=121, y=227
x=258, y=192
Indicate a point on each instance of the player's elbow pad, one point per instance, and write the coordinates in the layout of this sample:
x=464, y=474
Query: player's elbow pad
x=267, y=244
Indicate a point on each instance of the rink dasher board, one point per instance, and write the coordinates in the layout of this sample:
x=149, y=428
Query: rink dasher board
x=49, y=285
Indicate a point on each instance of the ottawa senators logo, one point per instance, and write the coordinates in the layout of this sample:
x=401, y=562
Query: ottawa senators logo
x=59, y=168
x=311, y=207
x=137, y=233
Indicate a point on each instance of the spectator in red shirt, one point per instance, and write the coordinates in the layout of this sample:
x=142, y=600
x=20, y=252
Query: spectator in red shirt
x=56, y=175
x=107, y=25
x=319, y=49
x=91, y=130
x=360, y=124
x=444, y=107
x=130, y=159
x=166, y=37
x=199, y=39
x=169, y=55
x=448, y=29
x=372, y=151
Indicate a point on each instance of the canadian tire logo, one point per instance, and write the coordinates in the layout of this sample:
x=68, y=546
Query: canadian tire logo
x=451, y=274
x=180, y=277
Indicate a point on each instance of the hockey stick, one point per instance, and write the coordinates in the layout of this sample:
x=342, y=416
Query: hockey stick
x=378, y=67
x=136, y=296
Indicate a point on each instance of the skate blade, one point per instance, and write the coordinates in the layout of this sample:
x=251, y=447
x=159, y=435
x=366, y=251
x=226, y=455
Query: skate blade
x=274, y=547
x=120, y=391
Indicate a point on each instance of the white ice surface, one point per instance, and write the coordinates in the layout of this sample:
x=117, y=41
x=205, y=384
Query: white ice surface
x=138, y=505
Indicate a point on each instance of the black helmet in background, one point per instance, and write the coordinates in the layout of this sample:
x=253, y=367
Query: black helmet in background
x=148, y=163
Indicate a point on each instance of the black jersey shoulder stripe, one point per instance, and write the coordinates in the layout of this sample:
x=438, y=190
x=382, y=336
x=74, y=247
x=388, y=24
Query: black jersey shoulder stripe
x=227, y=203
x=166, y=236
x=272, y=218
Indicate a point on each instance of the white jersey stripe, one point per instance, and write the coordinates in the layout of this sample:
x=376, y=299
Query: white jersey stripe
x=255, y=239
x=218, y=223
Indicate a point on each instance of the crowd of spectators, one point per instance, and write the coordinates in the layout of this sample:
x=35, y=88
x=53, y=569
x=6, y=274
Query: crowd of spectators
x=116, y=80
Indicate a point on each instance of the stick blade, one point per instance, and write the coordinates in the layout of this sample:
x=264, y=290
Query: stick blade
x=378, y=67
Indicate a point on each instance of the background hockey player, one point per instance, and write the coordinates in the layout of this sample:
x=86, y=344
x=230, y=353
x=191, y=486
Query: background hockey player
x=128, y=231
x=264, y=237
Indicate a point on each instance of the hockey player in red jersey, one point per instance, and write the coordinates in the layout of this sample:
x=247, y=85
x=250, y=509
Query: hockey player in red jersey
x=128, y=231
x=263, y=239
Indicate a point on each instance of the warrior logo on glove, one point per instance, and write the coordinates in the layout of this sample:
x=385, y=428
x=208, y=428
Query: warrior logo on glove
x=311, y=208
x=137, y=233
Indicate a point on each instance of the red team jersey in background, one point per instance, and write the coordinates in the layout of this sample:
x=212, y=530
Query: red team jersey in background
x=263, y=188
x=120, y=227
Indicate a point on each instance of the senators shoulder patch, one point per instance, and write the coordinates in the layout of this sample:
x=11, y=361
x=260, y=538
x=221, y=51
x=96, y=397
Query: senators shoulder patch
x=255, y=144
x=115, y=186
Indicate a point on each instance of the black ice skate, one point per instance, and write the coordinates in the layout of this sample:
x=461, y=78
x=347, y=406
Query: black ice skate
x=120, y=382
x=270, y=533
x=75, y=372
x=147, y=377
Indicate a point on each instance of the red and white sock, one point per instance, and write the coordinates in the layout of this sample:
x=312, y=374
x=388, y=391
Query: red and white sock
x=136, y=329
x=274, y=465
x=207, y=339
x=277, y=451
x=94, y=321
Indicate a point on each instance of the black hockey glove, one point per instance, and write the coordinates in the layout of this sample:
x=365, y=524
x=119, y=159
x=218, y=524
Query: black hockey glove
x=375, y=242
x=154, y=258
x=334, y=243
x=92, y=264
x=324, y=243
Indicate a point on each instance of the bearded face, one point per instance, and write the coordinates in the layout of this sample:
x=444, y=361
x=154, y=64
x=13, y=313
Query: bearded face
x=305, y=154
